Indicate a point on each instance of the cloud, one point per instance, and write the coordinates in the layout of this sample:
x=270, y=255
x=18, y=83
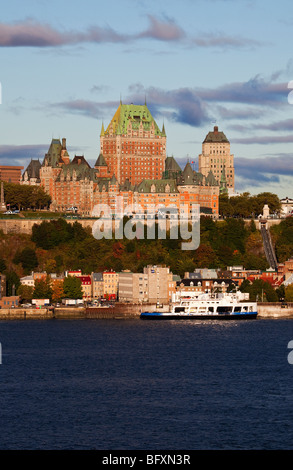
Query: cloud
x=239, y=113
x=91, y=109
x=180, y=105
x=20, y=154
x=284, y=125
x=221, y=40
x=30, y=33
x=264, y=140
x=33, y=34
x=162, y=31
x=257, y=171
x=196, y=106
x=256, y=91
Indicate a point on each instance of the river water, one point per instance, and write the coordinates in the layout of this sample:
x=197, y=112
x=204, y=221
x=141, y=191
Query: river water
x=132, y=384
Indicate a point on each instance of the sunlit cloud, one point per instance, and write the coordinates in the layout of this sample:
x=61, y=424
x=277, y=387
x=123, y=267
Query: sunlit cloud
x=31, y=33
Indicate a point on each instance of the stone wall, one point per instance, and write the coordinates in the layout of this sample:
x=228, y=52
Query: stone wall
x=121, y=310
x=26, y=225
x=275, y=310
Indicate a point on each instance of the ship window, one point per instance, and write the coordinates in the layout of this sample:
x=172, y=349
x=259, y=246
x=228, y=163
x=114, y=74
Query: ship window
x=224, y=309
x=237, y=309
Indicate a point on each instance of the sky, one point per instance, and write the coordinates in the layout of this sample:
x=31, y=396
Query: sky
x=65, y=66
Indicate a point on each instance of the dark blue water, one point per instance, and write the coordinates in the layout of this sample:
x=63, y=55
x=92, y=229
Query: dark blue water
x=132, y=384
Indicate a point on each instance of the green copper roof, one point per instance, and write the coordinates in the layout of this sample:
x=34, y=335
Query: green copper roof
x=137, y=115
x=211, y=180
x=53, y=157
x=223, y=182
x=171, y=164
x=159, y=186
x=189, y=176
x=101, y=161
x=33, y=170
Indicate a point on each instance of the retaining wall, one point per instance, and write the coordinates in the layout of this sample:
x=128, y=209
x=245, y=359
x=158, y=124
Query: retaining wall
x=121, y=310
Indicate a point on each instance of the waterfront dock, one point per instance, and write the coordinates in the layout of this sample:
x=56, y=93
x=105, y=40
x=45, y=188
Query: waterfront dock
x=121, y=311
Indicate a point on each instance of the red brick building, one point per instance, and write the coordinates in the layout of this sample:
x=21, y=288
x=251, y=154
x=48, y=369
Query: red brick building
x=11, y=174
x=133, y=146
x=132, y=168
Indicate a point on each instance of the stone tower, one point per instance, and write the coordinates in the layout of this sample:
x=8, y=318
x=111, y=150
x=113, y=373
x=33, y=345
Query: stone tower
x=216, y=157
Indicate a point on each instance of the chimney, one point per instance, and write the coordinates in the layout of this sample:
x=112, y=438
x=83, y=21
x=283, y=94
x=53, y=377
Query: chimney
x=63, y=144
x=215, y=129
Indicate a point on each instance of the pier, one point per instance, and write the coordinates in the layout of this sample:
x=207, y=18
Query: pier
x=267, y=310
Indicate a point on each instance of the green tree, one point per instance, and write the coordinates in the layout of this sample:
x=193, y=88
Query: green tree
x=25, y=292
x=289, y=293
x=42, y=288
x=47, y=235
x=27, y=258
x=260, y=290
x=72, y=287
x=24, y=196
x=246, y=205
x=12, y=282
x=281, y=292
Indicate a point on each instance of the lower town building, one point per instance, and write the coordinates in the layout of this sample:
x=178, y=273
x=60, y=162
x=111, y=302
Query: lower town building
x=154, y=285
x=133, y=287
x=97, y=286
x=2, y=285
x=111, y=279
x=9, y=302
x=286, y=269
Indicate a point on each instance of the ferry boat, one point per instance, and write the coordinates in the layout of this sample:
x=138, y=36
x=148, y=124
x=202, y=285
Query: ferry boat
x=207, y=307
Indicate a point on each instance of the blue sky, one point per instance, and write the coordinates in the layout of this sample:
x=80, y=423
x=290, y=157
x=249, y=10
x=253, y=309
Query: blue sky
x=65, y=65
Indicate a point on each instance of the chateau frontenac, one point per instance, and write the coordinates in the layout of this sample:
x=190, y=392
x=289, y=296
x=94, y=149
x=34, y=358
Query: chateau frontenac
x=132, y=164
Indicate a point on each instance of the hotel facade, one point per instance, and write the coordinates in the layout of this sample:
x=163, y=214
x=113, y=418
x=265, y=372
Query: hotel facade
x=132, y=165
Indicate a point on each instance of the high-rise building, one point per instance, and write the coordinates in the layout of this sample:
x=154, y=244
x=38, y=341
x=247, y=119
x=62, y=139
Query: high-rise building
x=133, y=146
x=216, y=157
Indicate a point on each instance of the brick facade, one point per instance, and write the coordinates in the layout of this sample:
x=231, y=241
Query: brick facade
x=132, y=168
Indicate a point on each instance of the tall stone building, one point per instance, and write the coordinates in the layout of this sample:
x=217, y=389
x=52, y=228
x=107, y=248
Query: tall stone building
x=133, y=146
x=216, y=158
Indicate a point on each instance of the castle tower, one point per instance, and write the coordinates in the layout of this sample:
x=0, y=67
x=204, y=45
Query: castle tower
x=216, y=157
x=133, y=146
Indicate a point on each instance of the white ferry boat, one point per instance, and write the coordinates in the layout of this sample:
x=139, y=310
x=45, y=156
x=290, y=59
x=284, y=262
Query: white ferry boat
x=207, y=307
